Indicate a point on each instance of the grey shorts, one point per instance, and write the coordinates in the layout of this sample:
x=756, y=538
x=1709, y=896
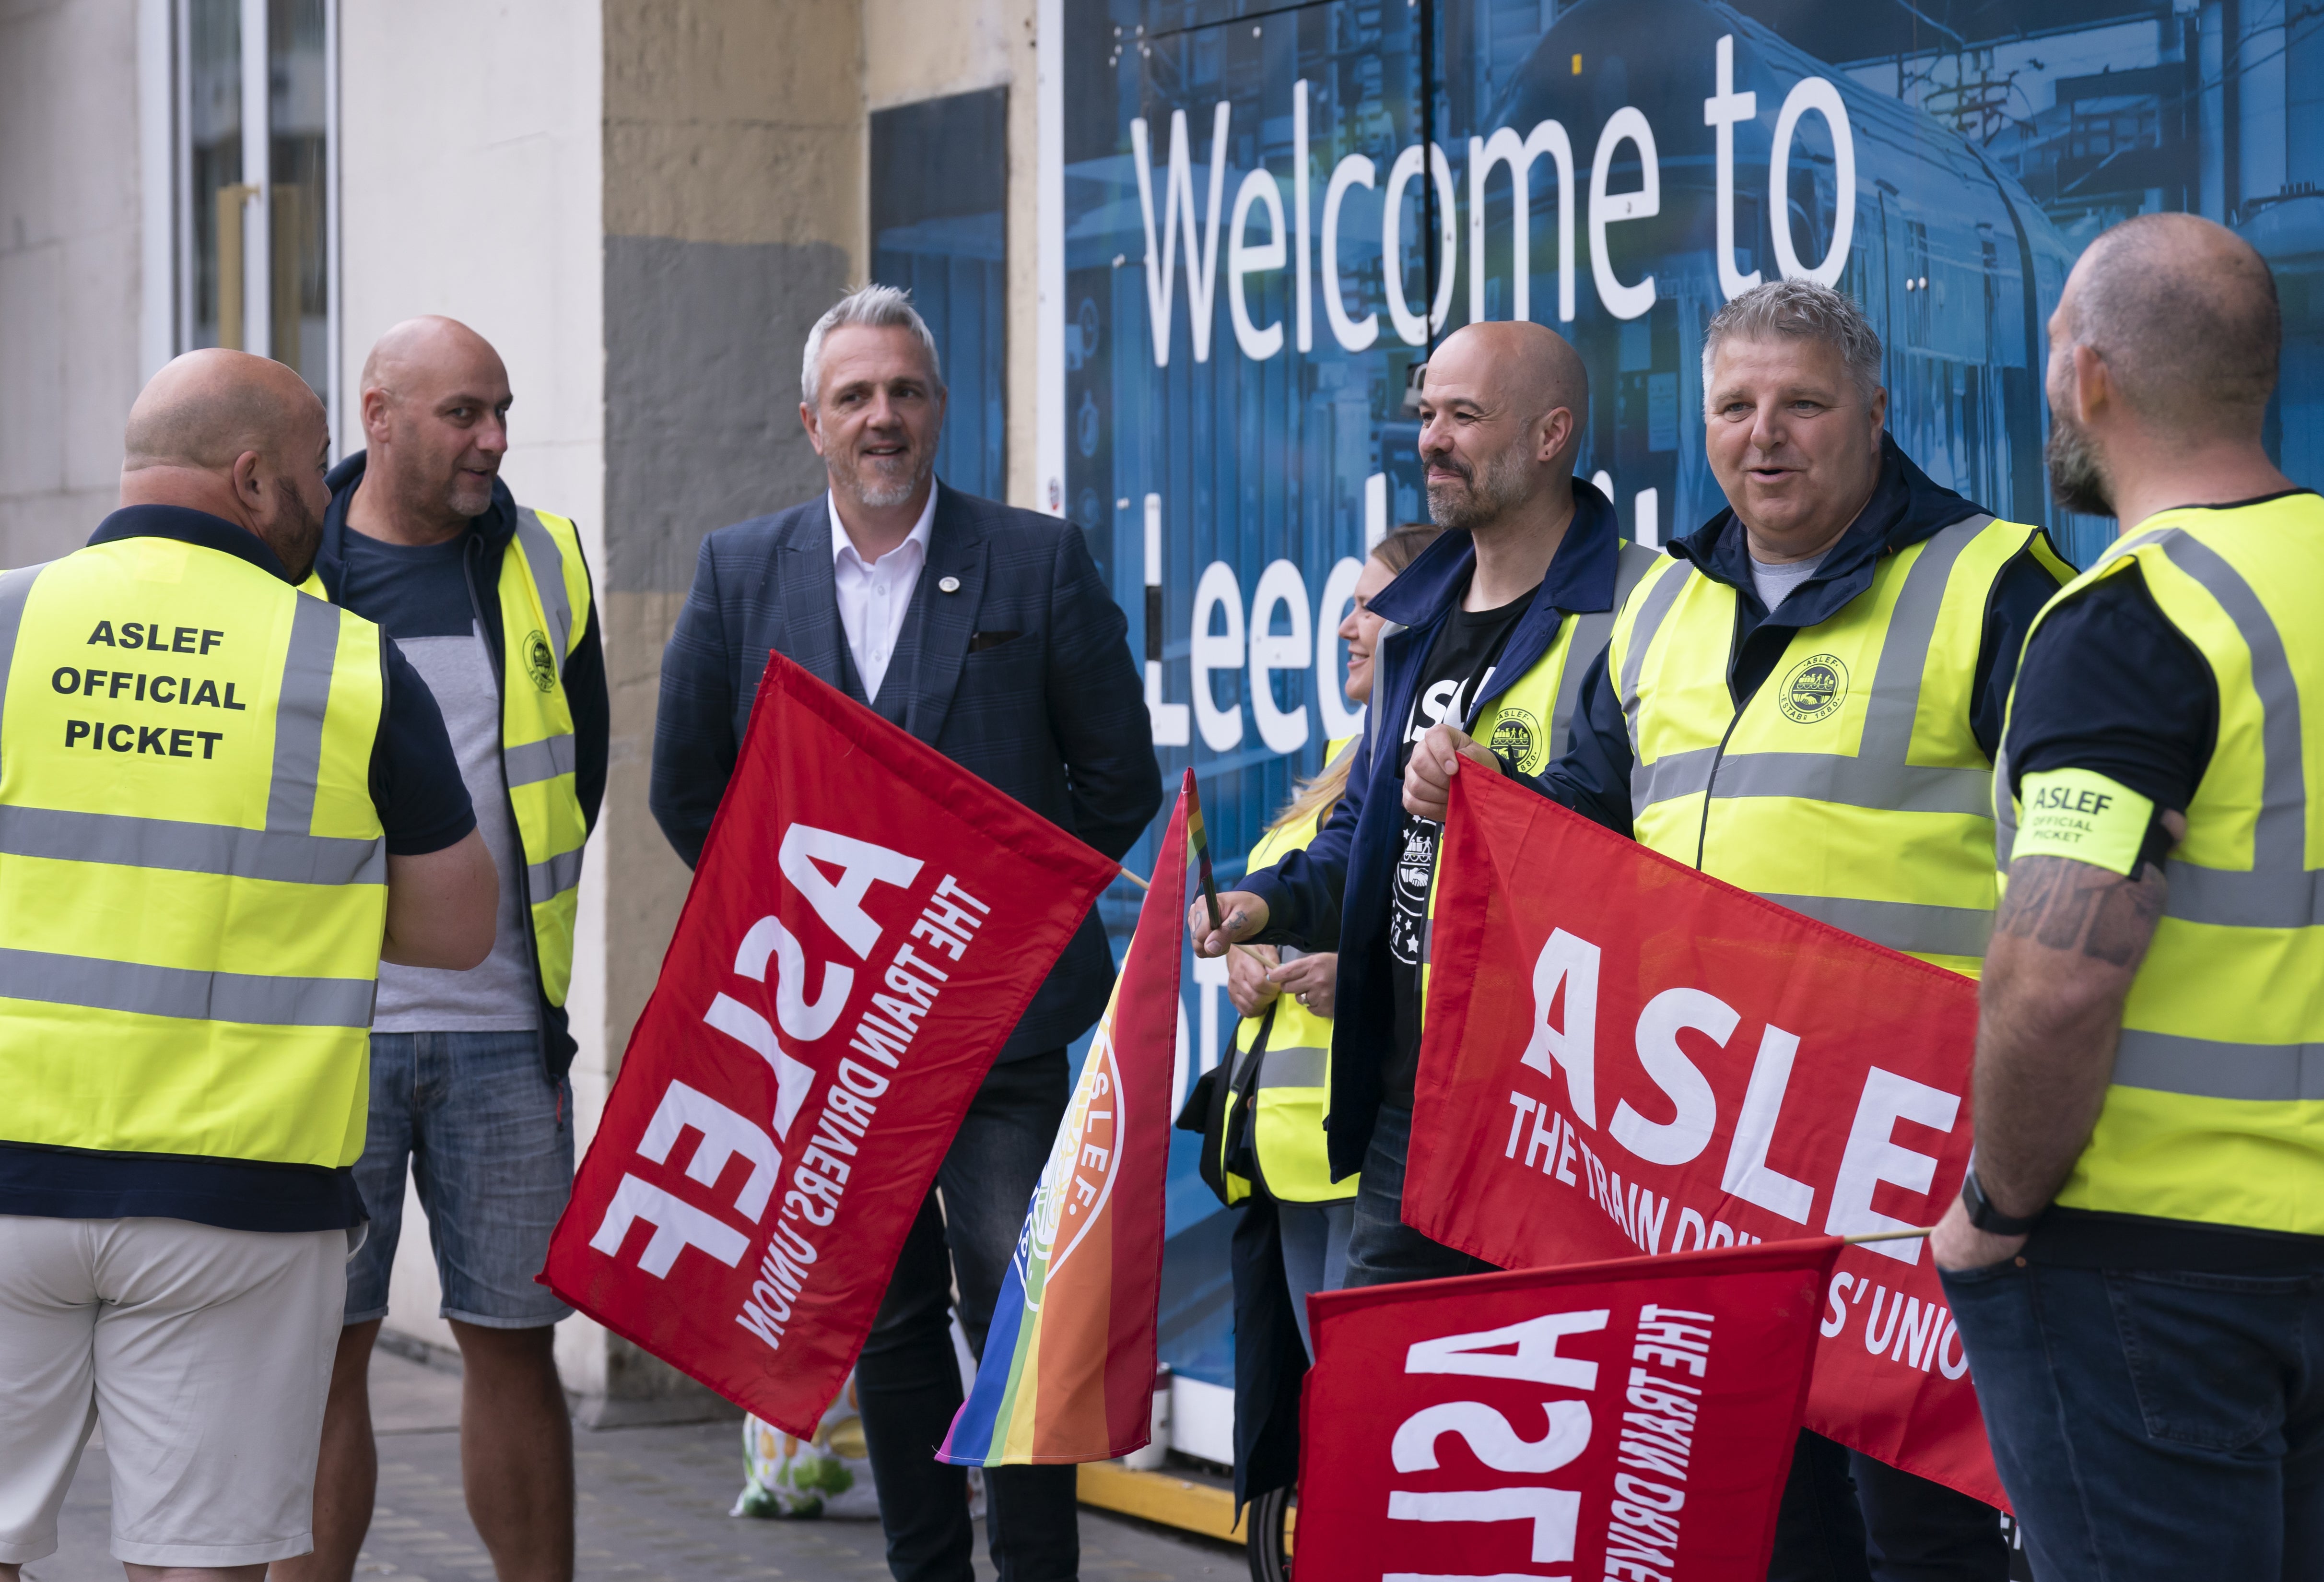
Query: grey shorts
x=206, y=1354
x=489, y=1143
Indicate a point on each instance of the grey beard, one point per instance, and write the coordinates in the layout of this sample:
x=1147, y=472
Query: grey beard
x=2077, y=481
x=1500, y=486
x=882, y=495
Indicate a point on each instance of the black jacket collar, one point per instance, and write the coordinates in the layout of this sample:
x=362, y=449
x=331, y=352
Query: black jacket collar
x=491, y=531
x=1906, y=506
x=189, y=526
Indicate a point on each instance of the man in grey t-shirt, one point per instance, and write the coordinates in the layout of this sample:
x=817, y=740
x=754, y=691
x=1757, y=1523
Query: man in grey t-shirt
x=468, y=1087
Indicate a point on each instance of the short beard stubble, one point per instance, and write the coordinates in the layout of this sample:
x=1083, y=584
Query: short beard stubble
x=1480, y=500
x=2078, y=482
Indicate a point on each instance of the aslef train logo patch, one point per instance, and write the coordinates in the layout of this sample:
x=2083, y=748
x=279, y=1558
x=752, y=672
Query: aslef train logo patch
x=1519, y=738
x=540, y=663
x=1814, y=689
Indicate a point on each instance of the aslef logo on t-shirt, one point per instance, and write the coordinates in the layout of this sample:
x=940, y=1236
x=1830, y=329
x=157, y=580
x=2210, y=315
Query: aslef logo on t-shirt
x=1443, y=704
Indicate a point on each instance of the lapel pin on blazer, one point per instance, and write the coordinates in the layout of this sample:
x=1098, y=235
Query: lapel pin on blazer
x=948, y=585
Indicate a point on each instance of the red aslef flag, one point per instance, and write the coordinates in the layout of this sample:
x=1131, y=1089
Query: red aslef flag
x=867, y=924
x=1631, y=1419
x=1623, y=1055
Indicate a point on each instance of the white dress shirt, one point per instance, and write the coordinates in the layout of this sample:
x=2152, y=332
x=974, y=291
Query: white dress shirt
x=873, y=596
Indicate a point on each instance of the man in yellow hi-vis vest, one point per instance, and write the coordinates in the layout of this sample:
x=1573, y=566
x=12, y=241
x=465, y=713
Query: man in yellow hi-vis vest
x=2149, y=1097
x=1804, y=700
x=222, y=803
x=491, y=601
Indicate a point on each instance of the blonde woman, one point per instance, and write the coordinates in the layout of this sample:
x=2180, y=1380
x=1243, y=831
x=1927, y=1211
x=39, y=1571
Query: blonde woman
x=1263, y=1143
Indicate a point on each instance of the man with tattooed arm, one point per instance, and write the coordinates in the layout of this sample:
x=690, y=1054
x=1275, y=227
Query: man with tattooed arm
x=2136, y=1262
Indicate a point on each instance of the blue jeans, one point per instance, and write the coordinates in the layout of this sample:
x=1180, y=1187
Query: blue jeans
x=908, y=1380
x=2154, y=1424
x=1382, y=1250
x=1315, y=1252
x=490, y=1143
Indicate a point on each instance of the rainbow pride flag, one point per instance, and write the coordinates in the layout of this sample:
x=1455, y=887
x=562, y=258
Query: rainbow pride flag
x=1068, y=1368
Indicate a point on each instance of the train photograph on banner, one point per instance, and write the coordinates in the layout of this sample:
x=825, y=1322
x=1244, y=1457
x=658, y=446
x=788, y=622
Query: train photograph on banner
x=1272, y=212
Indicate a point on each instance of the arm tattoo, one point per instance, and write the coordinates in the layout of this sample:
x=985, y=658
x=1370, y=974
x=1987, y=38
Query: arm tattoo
x=2066, y=905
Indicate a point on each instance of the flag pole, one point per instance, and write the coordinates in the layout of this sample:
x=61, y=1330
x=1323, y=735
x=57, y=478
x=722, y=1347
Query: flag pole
x=1239, y=945
x=1886, y=1236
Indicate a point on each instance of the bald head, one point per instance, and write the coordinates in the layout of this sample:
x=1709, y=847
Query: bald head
x=206, y=408
x=435, y=399
x=425, y=351
x=238, y=437
x=1530, y=367
x=2183, y=312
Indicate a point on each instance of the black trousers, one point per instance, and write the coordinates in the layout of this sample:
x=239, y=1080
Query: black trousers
x=1847, y=1518
x=907, y=1381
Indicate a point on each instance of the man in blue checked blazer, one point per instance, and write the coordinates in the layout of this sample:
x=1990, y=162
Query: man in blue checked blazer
x=987, y=632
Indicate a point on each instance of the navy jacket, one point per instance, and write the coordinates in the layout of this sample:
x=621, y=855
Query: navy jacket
x=1022, y=677
x=1335, y=895
x=1593, y=777
x=488, y=538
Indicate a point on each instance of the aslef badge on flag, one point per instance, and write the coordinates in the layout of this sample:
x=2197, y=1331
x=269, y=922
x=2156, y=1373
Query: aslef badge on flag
x=1662, y=1061
x=1067, y=1372
x=867, y=924
x=1629, y=1421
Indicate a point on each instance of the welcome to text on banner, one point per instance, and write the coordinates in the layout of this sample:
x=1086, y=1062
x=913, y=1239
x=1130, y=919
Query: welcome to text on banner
x=1623, y=1419
x=867, y=924
x=1625, y=1056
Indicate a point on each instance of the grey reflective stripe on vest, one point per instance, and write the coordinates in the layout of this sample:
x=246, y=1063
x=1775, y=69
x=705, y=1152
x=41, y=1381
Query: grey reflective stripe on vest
x=2278, y=890
x=2202, y=1069
x=547, y=568
x=1901, y=925
x=1300, y=1065
x=190, y=848
x=1877, y=775
x=300, y=713
x=15, y=588
x=1652, y=614
x=185, y=994
x=534, y=762
x=1591, y=632
x=555, y=876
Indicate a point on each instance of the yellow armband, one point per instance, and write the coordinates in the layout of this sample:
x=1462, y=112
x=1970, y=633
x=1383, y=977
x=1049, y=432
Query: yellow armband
x=2080, y=814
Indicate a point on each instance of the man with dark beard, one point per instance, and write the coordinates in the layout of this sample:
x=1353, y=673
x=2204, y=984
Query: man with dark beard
x=988, y=634
x=1492, y=627
x=2136, y=1260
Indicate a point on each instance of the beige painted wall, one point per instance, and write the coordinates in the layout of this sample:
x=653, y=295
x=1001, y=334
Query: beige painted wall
x=69, y=267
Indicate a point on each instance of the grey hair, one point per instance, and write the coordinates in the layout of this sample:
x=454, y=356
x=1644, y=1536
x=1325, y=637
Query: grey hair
x=874, y=307
x=1797, y=310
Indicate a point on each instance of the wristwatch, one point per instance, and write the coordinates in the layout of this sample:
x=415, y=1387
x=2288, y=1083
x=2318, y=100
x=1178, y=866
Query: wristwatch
x=1983, y=1215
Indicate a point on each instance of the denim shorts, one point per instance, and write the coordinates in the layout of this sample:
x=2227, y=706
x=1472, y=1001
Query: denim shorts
x=490, y=1143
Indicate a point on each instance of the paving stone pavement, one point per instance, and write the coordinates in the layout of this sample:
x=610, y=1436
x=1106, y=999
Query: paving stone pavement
x=652, y=1505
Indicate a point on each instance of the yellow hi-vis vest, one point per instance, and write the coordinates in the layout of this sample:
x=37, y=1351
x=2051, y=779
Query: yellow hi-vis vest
x=1849, y=787
x=193, y=877
x=544, y=598
x=1294, y=1088
x=1511, y=723
x=2215, y=1112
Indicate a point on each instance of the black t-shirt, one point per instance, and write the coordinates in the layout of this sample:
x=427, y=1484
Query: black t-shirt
x=1460, y=666
x=2109, y=685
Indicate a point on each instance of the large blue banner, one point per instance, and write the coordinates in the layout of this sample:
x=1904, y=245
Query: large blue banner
x=1272, y=212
